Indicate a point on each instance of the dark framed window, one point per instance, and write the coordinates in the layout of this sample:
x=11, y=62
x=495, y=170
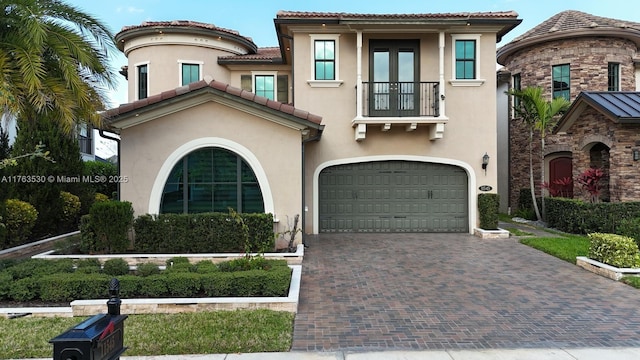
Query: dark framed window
x=190, y=73
x=465, y=59
x=211, y=180
x=561, y=81
x=265, y=86
x=143, y=81
x=281, y=90
x=325, y=59
x=517, y=85
x=613, y=71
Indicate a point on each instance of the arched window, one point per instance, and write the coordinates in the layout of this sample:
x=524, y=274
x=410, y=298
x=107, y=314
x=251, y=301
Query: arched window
x=211, y=179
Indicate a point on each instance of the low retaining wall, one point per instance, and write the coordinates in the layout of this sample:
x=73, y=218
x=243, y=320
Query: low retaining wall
x=605, y=270
x=161, y=259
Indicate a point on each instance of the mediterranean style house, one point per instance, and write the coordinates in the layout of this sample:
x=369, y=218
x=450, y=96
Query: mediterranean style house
x=594, y=62
x=355, y=122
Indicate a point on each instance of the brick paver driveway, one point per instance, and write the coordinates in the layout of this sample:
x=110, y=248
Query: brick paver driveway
x=454, y=291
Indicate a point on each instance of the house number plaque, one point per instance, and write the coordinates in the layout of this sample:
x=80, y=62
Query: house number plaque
x=485, y=188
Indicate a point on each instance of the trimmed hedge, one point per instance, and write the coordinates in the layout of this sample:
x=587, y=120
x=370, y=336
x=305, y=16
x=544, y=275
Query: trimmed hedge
x=579, y=217
x=106, y=228
x=615, y=250
x=488, y=206
x=203, y=233
x=262, y=278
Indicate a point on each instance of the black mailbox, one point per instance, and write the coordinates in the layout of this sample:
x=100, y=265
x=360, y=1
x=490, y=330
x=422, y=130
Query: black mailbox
x=97, y=338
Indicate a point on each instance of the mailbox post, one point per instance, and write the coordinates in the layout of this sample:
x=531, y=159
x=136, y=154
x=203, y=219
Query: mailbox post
x=97, y=338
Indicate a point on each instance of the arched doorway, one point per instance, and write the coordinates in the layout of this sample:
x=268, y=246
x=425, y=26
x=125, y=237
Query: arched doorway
x=211, y=179
x=561, y=176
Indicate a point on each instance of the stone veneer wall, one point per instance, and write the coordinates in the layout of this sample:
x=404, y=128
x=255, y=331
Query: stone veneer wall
x=588, y=58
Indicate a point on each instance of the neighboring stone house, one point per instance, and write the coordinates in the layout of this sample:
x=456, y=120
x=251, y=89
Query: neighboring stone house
x=578, y=56
x=356, y=122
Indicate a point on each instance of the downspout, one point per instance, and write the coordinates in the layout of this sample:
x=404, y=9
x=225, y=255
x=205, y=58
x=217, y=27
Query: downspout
x=102, y=134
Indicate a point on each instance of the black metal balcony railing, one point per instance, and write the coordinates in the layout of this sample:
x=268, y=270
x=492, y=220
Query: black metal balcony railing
x=401, y=99
x=86, y=146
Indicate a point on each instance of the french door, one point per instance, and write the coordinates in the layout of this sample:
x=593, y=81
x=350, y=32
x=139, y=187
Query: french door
x=394, y=85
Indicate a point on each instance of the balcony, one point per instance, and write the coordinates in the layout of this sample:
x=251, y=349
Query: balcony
x=401, y=99
x=407, y=104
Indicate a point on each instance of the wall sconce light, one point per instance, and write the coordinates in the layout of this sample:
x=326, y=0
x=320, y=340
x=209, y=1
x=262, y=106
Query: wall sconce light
x=485, y=162
x=636, y=154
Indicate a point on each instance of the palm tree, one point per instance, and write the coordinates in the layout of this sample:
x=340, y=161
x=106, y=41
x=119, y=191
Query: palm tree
x=53, y=60
x=540, y=116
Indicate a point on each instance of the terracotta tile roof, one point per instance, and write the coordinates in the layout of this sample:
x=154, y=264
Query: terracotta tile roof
x=282, y=14
x=124, y=109
x=267, y=54
x=183, y=23
x=575, y=20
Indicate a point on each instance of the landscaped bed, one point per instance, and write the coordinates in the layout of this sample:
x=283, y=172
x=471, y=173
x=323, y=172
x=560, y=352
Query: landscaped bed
x=66, y=280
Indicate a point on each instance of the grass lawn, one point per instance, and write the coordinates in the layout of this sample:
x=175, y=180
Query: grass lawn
x=566, y=248
x=240, y=331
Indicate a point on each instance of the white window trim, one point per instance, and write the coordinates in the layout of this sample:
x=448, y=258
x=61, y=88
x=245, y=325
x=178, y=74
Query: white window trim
x=191, y=62
x=262, y=73
x=465, y=82
x=137, y=80
x=324, y=83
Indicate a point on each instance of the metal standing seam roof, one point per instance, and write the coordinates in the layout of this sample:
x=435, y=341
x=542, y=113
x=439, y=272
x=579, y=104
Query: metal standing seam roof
x=621, y=105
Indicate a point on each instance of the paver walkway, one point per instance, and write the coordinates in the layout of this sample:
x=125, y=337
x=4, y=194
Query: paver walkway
x=368, y=292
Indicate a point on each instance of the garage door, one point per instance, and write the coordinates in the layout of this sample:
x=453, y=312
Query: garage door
x=393, y=196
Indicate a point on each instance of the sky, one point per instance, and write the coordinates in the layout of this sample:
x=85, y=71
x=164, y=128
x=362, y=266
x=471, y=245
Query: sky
x=254, y=18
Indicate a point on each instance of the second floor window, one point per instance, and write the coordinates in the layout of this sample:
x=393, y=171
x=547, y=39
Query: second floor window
x=265, y=86
x=271, y=86
x=143, y=81
x=190, y=73
x=613, y=77
x=517, y=85
x=561, y=81
x=325, y=59
x=465, y=59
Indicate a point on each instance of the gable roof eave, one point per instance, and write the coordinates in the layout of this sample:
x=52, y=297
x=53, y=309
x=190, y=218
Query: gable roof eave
x=172, y=101
x=601, y=102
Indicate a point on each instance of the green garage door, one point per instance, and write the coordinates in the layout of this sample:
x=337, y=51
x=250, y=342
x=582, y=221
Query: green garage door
x=393, y=196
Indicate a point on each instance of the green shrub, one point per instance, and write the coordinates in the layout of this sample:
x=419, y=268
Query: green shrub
x=110, y=223
x=183, y=284
x=20, y=219
x=69, y=287
x=579, y=217
x=630, y=228
x=115, y=267
x=5, y=284
x=154, y=286
x=70, y=207
x=106, y=171
x=25, y=289
x=205, y=267
x=87, y=237
x=203, y=233
x=88, y=266
x=615, y=250
x=38, y=267
x=99, y=197
x=488, y=206
x=147, y=269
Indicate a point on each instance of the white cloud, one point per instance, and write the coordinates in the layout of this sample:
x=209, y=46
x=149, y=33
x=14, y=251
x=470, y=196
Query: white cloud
x=130, y=9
